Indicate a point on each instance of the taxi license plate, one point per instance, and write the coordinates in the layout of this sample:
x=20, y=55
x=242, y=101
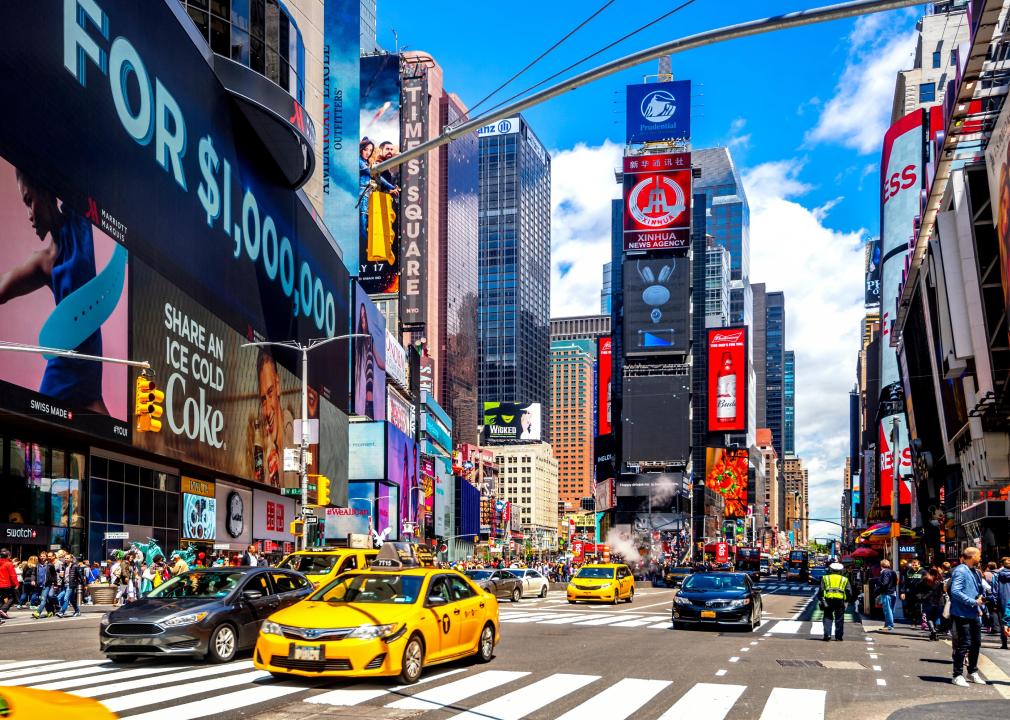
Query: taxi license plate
x=708, y=613
x=305, y=652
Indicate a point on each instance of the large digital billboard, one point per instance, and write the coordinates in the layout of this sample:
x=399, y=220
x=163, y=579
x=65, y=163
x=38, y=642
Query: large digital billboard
x=63, y=285
x=659, y=111
x=657, y=202
x=604, y=373
x=871, y=296
x=369, y=358
x=656, y=420
x=727, y=380
x=657, y=302
x=366, y=445
x=509, y=422
x=726, y=472
x=997, y=157
x=403, y=472
x=379, y=253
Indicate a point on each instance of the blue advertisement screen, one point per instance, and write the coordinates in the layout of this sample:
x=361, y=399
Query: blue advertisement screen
x=659, y=111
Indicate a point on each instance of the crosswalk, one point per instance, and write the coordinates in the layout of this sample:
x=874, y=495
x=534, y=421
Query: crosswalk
x=174, y=692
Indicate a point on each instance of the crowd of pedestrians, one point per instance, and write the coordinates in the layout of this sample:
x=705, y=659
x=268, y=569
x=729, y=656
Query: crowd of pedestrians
x=49, y=584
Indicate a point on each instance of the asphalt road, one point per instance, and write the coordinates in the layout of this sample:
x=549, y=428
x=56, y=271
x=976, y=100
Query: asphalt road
x=555, y=660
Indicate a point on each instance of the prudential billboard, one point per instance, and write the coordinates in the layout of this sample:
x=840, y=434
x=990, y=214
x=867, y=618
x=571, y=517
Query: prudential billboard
x=659, y=111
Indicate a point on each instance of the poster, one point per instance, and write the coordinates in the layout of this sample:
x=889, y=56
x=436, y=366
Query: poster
x=505, y=421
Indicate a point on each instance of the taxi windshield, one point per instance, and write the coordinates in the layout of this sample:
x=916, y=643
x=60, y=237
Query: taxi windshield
x=198, y=585
x=591, y=573
x=394, y=589
x=309, y=564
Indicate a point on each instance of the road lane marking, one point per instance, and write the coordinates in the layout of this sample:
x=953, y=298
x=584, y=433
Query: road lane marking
x=358, y=695
x=77, y=672
x=633, y=623
x=754, y=642
x=148, y=682
x=744, y=649
x=605, y=620
x=618, y=701
x=221, y=703
x=105, y=678
x=564, y=620
x=881, y=682
x=789, y=703
x=786, y=627
x=48, y=668
x=527, y=700
x=720, y=673
x=175, y=691
x=447, y=695
x=532, y=618
x=876, y=668
x=24, y=664
x=638, y=608
x=705, y=701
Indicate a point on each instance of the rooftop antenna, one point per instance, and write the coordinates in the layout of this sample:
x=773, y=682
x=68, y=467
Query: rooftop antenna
x=665, y=68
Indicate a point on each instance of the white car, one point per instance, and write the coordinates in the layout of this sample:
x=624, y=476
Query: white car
x=534, y=583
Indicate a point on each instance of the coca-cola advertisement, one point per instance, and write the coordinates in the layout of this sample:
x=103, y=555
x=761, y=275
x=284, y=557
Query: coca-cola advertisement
x=727, y=380
x=657, y=202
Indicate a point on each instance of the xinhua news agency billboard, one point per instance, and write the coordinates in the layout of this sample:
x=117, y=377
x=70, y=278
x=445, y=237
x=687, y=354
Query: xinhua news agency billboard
x=659, y=111
x=657, y=201
x=727, y=379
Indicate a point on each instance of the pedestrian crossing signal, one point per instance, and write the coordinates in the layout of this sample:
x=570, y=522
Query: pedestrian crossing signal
x=148, y=407
x=297, y=527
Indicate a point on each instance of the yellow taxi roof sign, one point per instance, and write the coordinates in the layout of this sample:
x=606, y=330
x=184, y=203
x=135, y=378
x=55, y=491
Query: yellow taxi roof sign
x=401, y=555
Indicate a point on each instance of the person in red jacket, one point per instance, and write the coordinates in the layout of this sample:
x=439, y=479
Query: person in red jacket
x=8, y=584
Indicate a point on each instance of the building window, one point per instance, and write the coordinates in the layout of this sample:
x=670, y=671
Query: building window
x=927, y=92
x=936, y=59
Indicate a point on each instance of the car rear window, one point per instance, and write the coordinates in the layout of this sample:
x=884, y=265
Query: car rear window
x=309, y=564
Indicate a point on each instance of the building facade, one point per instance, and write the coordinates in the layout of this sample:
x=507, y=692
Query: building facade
x=775, y=360
x=605, y=290
x=582, y=327
x=528, y=478
x=789, y=403
x=718, y=281
x=514, y=266
x=796, y=486
x=572, y=407
x=766, y=491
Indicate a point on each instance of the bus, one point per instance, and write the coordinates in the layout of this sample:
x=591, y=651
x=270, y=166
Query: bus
x=748, y=560
x=798, y=565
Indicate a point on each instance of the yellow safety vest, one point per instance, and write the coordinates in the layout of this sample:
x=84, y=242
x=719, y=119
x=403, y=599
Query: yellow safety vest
x=833, y=586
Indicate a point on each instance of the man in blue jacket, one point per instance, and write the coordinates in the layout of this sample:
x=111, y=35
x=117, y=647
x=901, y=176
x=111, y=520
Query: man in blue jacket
x=1002, y=580
x=966, y=602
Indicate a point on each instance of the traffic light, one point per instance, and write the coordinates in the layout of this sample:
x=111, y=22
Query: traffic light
x=148, y=407
x=476, y=540
x=322, y=491
x=297, y=527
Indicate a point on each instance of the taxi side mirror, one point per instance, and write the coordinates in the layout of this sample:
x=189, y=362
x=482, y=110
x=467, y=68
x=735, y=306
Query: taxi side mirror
x=436, y=601
x=251, y=594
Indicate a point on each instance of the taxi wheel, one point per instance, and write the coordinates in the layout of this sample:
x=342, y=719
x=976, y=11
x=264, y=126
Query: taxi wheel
x=516, y=594
x=485, y=646
x=617, y=596
x=223, y=644
x=413, y=660
x=543, y=591
x=631, y=595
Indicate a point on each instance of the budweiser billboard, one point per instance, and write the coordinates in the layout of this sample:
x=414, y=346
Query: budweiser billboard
x=657, y=202
x=727, y=379
x=604, y=358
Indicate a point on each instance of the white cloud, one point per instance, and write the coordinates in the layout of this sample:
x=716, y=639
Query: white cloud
x=582, y=186
x=738, y=139
x=860, y=111
x=820, y=271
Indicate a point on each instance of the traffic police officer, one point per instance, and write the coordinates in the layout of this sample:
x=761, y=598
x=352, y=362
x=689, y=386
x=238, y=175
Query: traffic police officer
x=835, y=593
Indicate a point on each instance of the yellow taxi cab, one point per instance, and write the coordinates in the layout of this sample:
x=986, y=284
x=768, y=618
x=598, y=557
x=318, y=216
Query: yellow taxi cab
x=393, y=618
x=604, y=582
x=18, y=703
x=323, y=565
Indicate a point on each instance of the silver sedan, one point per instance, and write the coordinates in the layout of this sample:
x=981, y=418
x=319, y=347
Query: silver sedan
x=534, y=583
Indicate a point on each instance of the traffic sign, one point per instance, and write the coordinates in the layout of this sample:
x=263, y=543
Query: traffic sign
x=117, y=536
x=291, y=492
x=311, y=519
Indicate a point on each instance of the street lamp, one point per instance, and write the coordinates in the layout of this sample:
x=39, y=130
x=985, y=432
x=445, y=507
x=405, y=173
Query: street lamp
x=304, y=349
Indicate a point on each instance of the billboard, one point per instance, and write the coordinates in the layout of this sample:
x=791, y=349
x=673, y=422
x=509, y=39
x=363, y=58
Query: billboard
x=653, y=492
x=605, y=371
x=369, y=358
x=379, y=258
x=234, y=515
x=659, y=111
x=871, y=296
x=657, y=202
x=997, y=156
x=63, y=284
x=414, y=199
x=400, y=413
x=340, y=73
x=887, y=461
x=366, y=446
x=657, y=303
x=657, y=418
x=199, y=517
x=727, y=380
x=396, y=361
x=403, y=472
x=506, y=421
x=176, y=175
x=726, y=472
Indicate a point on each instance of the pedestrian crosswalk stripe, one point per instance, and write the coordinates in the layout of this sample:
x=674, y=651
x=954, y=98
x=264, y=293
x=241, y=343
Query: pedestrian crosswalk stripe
x=447, y=695
x=634, y=623
x=149, y=682
x=531, y=618
x=221, y=703
x=520, y=703
x=705, y=701
x=790, y=702
x=662, y=626
x=358, y=695
x=4, y=667
x=565, y=619
x=786, y=627
x=175, y=691
x=47, y=666
x=606, y=620
x=63, y=674
x=106, y=678
x=618, y=701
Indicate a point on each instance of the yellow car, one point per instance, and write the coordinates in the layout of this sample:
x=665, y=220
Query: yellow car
x=393, y=618
x=18, y=703
x=322, y=566
x=602, y=583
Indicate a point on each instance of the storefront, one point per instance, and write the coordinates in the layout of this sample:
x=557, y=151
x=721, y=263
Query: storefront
x=272, y=516
x=234, y=519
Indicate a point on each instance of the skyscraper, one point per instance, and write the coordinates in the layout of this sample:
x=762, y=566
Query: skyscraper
x=605, y=290
x=789, y=404
x=717, y=285
x=571, y=413
x=775, y=332
x=514, y=265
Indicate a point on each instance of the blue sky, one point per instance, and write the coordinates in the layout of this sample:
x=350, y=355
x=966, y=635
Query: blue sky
x=803, y=111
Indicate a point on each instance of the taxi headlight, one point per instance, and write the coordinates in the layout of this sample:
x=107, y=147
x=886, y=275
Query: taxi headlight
x=744, y=602
x=271, y=628
x=372, y=632
x=180, y=620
